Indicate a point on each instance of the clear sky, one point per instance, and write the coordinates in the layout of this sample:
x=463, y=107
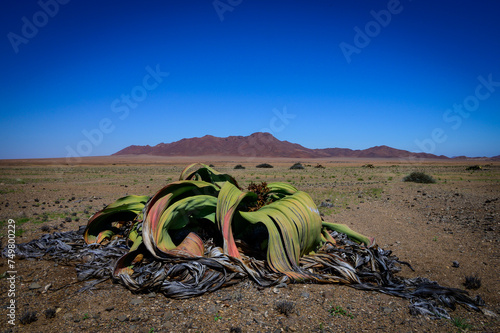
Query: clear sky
x=92, y=77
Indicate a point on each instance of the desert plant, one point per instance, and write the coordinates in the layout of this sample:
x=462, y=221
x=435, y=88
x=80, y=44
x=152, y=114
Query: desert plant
x=276, y=219
x=461, y=323
x=369, y=165
x=339, y=311
x=474, y=168
x=204, y=231
x=239, y=166
x=264, y=165
x=319, y=166
x=297, y=166
x=28, y=317
x=472, y=282
x=419, y=177
x=285, y=307
x=50, y=313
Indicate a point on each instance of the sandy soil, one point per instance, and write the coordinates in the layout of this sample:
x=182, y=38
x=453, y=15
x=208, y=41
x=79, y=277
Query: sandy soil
x=428, y=225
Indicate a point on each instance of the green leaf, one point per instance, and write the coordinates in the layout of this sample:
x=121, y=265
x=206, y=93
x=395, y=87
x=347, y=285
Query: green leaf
x=229, y=199
x=281, y=188
x=294, y=228
x=161, y=201
x=355, y=236
x=99, y=226
x=164, y=218
x=125, y=264
x=207, y=174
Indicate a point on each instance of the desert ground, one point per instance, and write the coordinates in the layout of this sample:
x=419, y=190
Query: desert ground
x=428, y=225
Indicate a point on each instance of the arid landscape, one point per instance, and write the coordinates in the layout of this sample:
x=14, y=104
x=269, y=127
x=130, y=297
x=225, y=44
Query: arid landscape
x=431, y=226
x=247, y=166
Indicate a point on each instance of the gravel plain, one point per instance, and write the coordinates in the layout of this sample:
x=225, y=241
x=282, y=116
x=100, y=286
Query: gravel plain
x=446, y=231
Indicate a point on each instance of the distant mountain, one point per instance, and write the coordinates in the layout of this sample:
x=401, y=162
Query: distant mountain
x=262, y=145
x=257, y=145
x=376, y=152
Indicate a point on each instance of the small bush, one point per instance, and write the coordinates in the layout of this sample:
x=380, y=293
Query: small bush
x=370, y=166
x=339, y=311
x=461, y=323
x=419, y=177
x=264, y=165
x=28, y=317
x=239, y=166
x=319, y=166
x=50, y=313
x=285, y=307
x=474, y=168
x=472, y=282
x=297, y=166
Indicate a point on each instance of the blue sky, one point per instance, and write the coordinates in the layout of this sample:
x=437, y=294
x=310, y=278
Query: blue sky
x=92, y=77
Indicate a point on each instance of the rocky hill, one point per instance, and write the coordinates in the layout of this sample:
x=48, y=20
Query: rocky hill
x=261, y=145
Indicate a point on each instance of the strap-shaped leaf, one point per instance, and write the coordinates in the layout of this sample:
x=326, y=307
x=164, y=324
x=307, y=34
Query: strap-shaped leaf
x=182, y=189
x=207, y=174
x=294, y=229
x=165, y=197
x=355, y=236
x=164, y=217
x=125, y=264
x=124, y=209
x=229, y=199
x=282, y=188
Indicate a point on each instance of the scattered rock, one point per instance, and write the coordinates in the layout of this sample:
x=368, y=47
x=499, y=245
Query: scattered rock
x=328, y=294
x=386, y=309
x=34, y=285
x=168, y=315
x=136, y=301
x=213, y=309
x=68, y=317
x=489, y=313
x=46, y=288
x=122, y=318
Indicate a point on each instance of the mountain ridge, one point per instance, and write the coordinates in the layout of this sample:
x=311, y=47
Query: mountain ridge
x=262, y=144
